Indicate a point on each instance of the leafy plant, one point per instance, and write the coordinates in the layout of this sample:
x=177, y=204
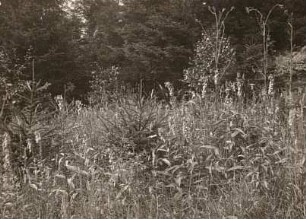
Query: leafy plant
x=134, y=128
x=214, y=55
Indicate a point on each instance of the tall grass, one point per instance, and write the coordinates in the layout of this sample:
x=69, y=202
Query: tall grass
x=137, y=158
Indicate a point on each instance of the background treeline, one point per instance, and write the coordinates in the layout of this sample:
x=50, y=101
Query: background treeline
x=149, y=40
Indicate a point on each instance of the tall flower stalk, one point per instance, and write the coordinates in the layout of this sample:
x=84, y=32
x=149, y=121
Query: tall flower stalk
x=220, y=17
x=291, y=54
x=263, y=23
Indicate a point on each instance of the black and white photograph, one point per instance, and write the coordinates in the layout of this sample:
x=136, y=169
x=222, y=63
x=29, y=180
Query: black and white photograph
x=152, y=109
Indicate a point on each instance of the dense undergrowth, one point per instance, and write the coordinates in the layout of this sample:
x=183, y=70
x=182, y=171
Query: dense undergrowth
x=138, y=158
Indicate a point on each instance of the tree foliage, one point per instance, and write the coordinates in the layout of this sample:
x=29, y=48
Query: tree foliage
x=50, y=34
x=152, y=41
x=149, y=40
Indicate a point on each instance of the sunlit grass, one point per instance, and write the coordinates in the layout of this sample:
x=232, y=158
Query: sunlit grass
x=136, y=158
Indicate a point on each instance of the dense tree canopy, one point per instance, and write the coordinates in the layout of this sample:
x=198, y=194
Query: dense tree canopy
x=42, y=31
x=149, y=40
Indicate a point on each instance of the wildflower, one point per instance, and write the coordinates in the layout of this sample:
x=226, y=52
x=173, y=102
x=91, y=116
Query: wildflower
x=29, y=145
x=204, y=86
x=170, y=88
x=271, y=85
x=216, y=77
x=228, y=99
x=239, y=85
x=78, y=105
x=60, y=101
x=37, y=137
